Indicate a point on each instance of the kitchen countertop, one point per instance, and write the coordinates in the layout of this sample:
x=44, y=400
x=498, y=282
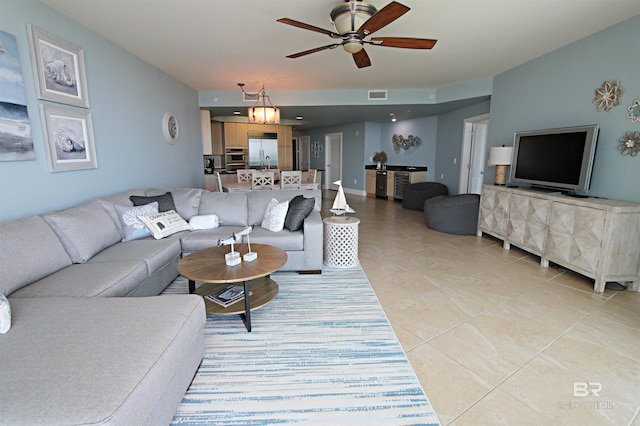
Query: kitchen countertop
x=398, y=168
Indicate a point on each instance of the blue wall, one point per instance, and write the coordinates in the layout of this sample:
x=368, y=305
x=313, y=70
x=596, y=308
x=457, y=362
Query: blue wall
x=557, y=89
x=127, y=100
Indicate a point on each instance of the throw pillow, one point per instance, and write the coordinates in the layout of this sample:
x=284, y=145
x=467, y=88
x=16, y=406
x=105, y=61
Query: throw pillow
x=132, y=227
x=275, y=215
x=207, y=221
x=5, y=314
x=165, y=201
x=299, y=208
x=164, y=224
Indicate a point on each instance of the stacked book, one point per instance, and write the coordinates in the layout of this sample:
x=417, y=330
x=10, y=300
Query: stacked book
x=227, y=296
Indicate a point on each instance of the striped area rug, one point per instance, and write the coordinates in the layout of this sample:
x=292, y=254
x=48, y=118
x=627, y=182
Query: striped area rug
x=322, y=352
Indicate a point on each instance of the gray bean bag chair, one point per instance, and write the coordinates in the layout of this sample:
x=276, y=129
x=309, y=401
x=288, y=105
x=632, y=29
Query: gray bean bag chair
x=415, y=194
x=454, y=214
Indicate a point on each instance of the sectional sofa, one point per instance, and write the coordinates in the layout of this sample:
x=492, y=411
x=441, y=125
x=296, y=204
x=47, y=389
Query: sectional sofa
x=81, y=349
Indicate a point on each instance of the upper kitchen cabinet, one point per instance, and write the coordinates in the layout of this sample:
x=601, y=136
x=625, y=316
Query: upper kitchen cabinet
x=285, y=147
x=236, y=134
x=212, y=139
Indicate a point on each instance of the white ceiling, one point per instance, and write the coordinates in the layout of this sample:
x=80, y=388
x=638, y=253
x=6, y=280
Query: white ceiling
x=211, y=45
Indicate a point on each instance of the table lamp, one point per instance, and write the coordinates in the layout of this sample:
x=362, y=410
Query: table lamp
x=500, y=156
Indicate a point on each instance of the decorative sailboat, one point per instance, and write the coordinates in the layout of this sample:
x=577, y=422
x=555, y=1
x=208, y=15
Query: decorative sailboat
x=340, y=205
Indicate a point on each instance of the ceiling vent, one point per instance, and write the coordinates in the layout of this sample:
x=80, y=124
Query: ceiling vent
x=377, y=95
x=250, y=97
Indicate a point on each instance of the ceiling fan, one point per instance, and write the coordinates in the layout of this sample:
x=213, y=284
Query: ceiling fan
x=354, y=21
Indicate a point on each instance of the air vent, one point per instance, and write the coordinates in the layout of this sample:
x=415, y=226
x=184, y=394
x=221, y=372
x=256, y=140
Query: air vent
x=377, y=95
x=250, y=97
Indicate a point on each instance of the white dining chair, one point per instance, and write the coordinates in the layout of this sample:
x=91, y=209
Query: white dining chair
x=262, y=180
x=218, y=182
x=310, y=181
x=244, y=175
x=290, y=179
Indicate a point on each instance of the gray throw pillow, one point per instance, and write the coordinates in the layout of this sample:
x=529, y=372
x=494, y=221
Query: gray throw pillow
x=299, y=209
x=165, y=201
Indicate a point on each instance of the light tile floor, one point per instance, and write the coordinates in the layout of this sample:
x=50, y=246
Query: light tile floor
x=493, y=337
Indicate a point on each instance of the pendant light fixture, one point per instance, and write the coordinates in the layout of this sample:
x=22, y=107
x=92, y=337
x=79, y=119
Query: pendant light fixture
x=261, y=112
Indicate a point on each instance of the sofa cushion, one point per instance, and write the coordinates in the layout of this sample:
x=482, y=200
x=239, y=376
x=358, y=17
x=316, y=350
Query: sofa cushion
x=155, y=254
x=299, y=209
x=29, y=242
x=257, y=201
x=88, y=280
x=103, y=361
x=165, y=201
x=231, y=208
x=200, y=239
x=274, y=215
x=84, y=230
x=186, y=200
x=109, y=204
x=132, y=227
x=285, y=240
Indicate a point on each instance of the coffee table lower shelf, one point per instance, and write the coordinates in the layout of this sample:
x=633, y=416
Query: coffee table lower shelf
x=263, y=290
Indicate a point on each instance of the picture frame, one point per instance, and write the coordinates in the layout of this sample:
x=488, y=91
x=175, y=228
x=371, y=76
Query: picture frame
x=58, y=69
x=68, y=135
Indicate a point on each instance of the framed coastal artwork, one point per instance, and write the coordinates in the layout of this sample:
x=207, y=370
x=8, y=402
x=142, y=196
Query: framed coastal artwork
x=16, y=142
x=68, y=138
x=58, y=69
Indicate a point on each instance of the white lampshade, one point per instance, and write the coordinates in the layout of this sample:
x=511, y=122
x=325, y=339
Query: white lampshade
x=264, y=115
x=500, y=156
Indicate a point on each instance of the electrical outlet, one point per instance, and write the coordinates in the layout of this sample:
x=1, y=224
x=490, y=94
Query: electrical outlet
x=441, y=176
x=455, y=161
x=355, y=181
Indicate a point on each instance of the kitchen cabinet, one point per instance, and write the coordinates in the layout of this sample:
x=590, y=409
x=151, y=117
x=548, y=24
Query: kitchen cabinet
x=390, y=183
x=205, y=130
x=370, y=182
x=594, y=237
x=285, y=147
x=235, y=134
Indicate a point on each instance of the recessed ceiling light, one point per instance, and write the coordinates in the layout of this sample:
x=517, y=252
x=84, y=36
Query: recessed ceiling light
x=393, y=116
x=236, y=112
x=298, y=117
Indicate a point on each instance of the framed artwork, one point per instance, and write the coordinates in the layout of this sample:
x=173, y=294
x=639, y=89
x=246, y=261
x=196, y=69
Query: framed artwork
x=16, y=142
x=68, y=136
x=58, y=69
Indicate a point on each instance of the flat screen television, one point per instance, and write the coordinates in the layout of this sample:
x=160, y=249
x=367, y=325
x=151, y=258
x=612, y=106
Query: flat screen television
x=559, y=159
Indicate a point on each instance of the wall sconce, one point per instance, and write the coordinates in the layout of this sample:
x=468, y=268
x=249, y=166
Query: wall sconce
x=500, y=156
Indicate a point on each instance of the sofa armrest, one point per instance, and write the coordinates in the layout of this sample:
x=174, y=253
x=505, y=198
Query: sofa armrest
x=313, y=229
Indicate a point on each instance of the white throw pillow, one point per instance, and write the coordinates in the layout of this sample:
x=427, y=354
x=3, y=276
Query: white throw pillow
x=207, y=221
x=5, y=314
x=164, y=224
x=132, y=227
x=275, y=215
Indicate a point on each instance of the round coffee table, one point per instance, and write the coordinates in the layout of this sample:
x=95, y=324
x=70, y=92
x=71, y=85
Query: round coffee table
x=208, y=266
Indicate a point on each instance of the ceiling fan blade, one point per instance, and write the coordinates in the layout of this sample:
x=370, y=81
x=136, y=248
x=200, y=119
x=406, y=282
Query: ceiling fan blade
x=310, y=51
x=384, y=17
x=362, y=59
x=404, y=42
x=304, y=26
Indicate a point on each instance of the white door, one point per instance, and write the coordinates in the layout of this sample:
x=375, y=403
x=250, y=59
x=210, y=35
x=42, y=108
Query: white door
x=332, y=159
x=302, y=153
x=474, y=142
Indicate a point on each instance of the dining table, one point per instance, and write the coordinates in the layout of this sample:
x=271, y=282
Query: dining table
x=236, y=186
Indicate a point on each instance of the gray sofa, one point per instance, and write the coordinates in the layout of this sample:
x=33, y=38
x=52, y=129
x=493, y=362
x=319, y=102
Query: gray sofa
x=79, y=351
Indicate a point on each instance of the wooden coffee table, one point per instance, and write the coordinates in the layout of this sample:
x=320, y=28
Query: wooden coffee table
x=208, y=266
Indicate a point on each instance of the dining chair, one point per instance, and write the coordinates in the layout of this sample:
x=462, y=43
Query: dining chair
x=310, y=181
x=290, y=179
x=218, y=182
x=276, y=173
x=244, y=175
x=262, y=180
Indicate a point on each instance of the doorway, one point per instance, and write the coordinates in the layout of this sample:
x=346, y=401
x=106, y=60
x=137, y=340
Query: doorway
x=301, y=150
x=332, y=159
x=474, y=143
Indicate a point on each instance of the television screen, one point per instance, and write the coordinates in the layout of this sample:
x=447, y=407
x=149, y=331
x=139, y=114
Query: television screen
x=555, y=158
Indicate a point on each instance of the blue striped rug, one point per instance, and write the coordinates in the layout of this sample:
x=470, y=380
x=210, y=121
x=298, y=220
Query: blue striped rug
x=322, y=352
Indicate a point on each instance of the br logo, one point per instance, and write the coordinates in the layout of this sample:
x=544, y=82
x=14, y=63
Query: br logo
x=582, y=389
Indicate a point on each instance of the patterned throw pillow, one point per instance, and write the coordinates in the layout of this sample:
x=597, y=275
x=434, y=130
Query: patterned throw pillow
x=132, y=227
x=164, y=224
x=275, y=215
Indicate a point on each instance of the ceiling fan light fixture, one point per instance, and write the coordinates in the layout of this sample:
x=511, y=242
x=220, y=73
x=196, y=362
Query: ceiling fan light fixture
x=352, y=46
x=349, y=17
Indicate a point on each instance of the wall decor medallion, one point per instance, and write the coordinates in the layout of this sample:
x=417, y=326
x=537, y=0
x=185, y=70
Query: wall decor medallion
x=608, y=95
x=170, y=128
x=634, y=111
x=400, y=141
x=629, y=144
x=58, y=69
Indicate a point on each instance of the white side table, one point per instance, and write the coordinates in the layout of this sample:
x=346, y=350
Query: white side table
x=341, y=241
